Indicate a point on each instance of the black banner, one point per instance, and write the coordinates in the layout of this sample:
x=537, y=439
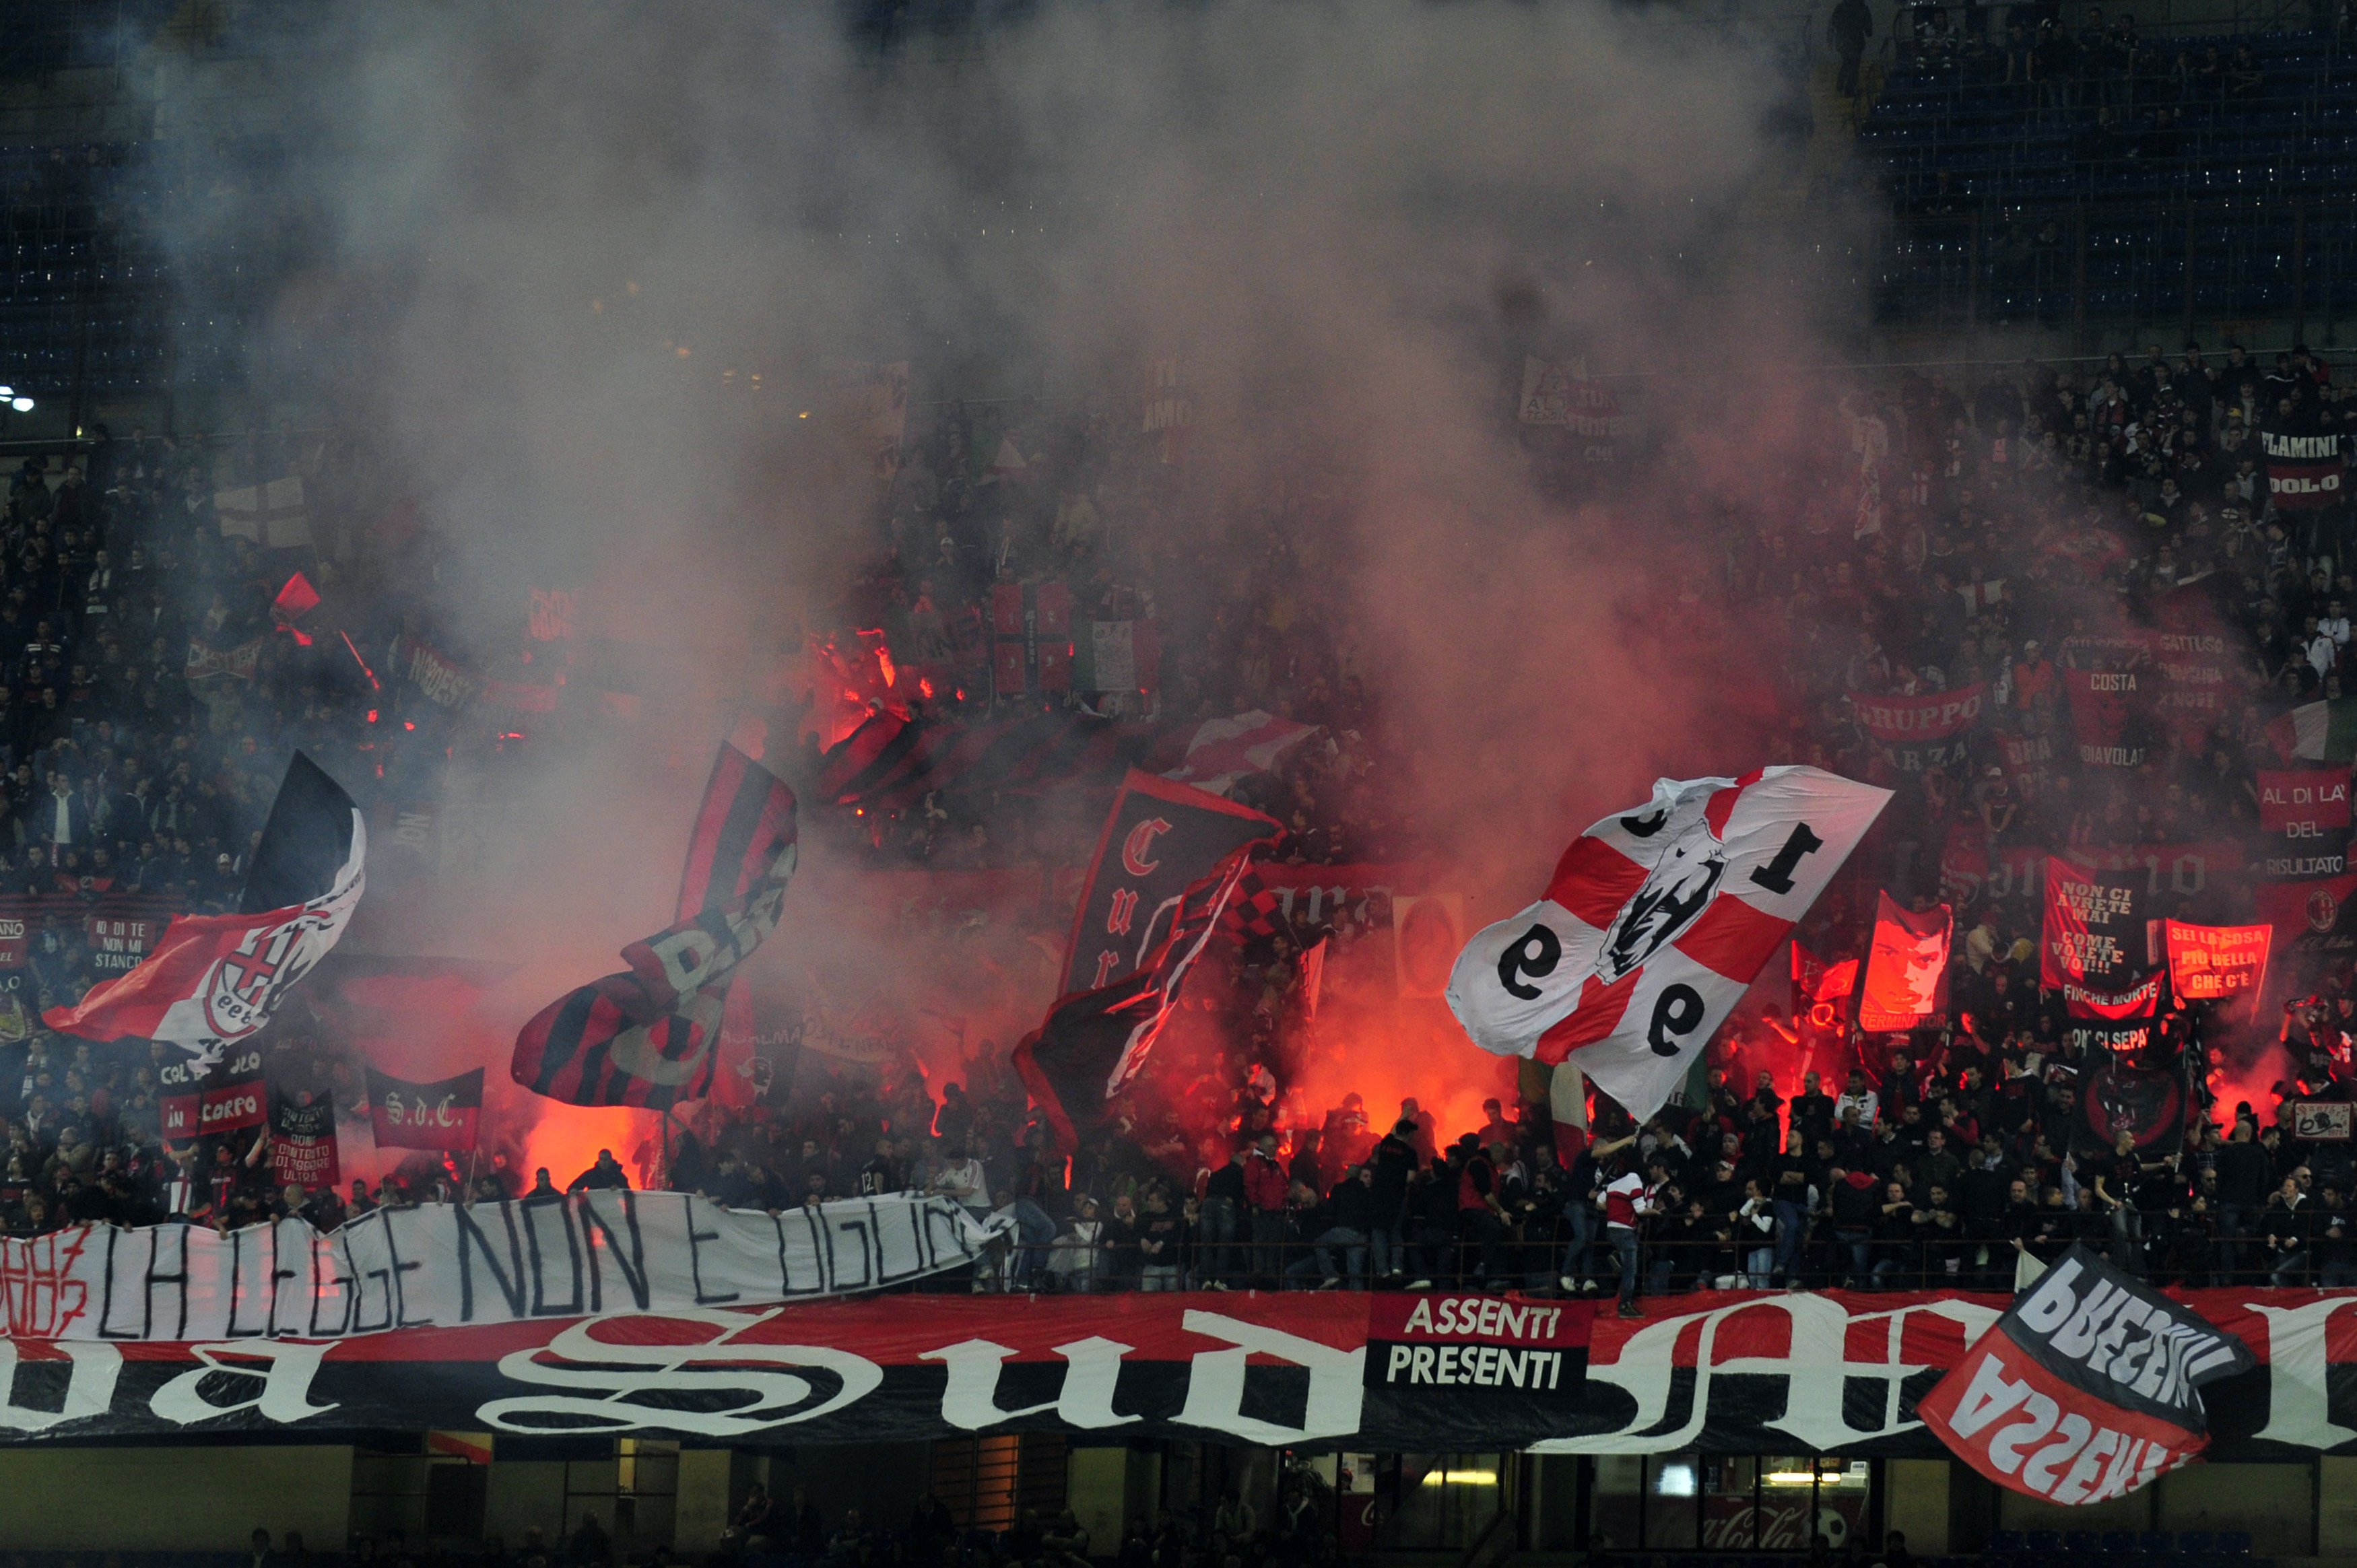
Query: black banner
x=1159, y=839
x=2088, y=1387
x=1722, y=1372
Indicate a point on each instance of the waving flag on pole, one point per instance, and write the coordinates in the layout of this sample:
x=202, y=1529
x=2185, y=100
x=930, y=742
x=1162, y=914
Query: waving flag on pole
x=1655, y=922
x=214, y=979
x=1092, y=1042
x=652, y=1035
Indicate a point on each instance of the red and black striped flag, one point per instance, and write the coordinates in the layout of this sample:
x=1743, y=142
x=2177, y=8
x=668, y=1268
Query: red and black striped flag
x=745, y=825
x=650, y=1035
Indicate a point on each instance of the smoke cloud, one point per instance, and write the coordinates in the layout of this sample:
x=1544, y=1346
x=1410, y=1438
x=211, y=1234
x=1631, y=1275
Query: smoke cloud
x=582, y=270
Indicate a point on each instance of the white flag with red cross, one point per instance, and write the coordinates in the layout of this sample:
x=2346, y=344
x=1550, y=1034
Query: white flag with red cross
x=1655, y=922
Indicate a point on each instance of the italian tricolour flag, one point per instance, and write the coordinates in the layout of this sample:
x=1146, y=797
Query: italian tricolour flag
x=2317, y=732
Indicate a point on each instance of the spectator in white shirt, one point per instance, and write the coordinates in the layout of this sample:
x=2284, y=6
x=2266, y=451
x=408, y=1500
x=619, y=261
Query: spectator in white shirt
x=1868, y=1103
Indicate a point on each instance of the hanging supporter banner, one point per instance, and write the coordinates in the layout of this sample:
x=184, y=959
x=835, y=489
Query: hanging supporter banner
x=1920, y=731
x=2305, y=473
x=303, y=1139
x=1655, y=923
x=552, y=614
x=1427, y=933
x=1734, y=1372
x=1561, y=395
x=215, y=980
x=2217, y=964
x=2190, y=663
x=2088, y=1387
x=2323, y=1120
x=2093, y=945
x=2158, y=868
x=439, y=1115
x=2105, y=720
x=445, y=1265
x=1031, y=638
x=1116, y=657
x=117, y=941
x=1303, y=897
x=1169, y=410
x=207, y=663
x=191, y=1103
x=652, y=1035
x=2027, y=761
x=2304, y=821
x=437, y=677
x=1159, y=839
x=1905, y=983
x=2310, y=916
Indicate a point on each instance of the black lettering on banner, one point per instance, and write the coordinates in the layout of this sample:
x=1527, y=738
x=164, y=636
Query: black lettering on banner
x=695, y=1257
x=936, y=1215
x=1677, y=1011
x=152, y=1279
x=541, y=1306
x=785, y=1263
x=344, y=1284
x=1646, y=825
x=106, y=1297
x=236, y=1283
x=884, y=1274
x=510, y=1284
x=633, y=1267
x=821, y=1248
x=1523, y=958
x=383, y=1277
x=1777, y=874
x=917, y=1234
x=400, y=1291
x=868, y=1257
x=278, y=1269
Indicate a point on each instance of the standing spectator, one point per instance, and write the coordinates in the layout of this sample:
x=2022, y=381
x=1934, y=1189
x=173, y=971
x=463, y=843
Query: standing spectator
x=1265, y=1196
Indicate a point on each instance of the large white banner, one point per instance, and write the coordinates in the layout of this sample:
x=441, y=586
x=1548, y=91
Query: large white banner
x=443, y=1264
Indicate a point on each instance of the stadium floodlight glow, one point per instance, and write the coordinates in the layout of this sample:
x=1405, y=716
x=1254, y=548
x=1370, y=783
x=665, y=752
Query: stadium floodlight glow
x=7, y=391
x=21, y=404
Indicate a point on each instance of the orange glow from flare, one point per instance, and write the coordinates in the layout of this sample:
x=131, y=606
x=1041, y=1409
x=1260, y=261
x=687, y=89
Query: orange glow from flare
x=1412, y=1048
x=566, y=1139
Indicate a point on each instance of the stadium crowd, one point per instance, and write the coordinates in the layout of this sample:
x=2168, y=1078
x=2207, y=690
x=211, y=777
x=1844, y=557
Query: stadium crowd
x=1928, y=539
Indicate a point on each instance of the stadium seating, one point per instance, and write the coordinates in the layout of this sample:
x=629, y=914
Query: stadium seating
x=2252, y=189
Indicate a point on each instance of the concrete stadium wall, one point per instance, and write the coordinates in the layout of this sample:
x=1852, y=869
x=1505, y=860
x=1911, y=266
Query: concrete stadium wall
x=204, y=1499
